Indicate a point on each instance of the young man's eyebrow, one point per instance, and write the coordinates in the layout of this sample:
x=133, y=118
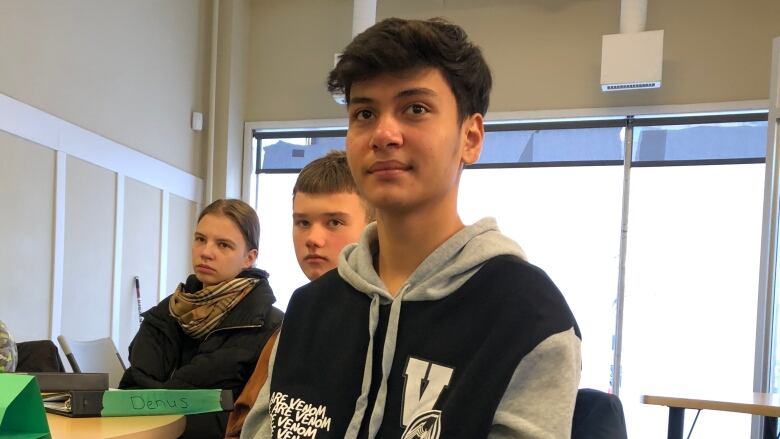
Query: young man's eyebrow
x=328, y=214
x=360, y=100
x=417, y=91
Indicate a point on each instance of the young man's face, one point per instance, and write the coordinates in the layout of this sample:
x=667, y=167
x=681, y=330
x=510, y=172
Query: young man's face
x=322, y=225
x=405, y=143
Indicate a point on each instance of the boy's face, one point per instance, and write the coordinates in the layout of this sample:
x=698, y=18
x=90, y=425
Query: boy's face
x=322, y=225
x=405, y=143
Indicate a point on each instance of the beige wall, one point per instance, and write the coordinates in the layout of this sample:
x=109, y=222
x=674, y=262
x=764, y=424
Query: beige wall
x=291, y=49
x=545, y=54
x=130, y=71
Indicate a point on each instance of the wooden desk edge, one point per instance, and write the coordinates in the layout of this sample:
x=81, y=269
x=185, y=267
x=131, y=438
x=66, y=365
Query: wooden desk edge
x=687, y=403
x=153, y=427
x=173, y=430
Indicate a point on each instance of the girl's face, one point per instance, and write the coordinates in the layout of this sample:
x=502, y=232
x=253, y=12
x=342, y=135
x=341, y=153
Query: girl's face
x=219, y=252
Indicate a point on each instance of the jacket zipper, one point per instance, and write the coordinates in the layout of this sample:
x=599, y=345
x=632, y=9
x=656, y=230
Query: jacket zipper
x=233, y=327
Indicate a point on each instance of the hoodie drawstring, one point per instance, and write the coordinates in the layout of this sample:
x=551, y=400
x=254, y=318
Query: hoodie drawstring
x=362, y=402
x=388, y=355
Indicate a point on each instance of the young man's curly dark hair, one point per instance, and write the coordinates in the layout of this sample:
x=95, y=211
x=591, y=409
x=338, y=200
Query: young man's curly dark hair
x=396, y=45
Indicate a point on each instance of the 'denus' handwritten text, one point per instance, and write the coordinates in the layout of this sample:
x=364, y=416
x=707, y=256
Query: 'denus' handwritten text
x=140, y=403
x=294, y=418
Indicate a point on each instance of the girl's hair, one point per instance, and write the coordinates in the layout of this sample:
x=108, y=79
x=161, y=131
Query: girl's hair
x=242, y=214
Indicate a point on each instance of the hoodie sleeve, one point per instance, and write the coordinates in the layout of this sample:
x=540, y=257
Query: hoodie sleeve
x=257, y=424
x=539, y=400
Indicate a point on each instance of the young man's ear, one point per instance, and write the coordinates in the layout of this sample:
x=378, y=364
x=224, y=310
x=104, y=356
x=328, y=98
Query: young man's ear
x=473, y=135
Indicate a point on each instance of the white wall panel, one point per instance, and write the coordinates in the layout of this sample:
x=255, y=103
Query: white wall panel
x=26, y=231
x=89, y=251
x=140, y=256
x=181, y=226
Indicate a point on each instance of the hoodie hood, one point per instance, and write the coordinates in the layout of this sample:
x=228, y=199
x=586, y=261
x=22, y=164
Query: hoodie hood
x=444, y=271
x=441, y=273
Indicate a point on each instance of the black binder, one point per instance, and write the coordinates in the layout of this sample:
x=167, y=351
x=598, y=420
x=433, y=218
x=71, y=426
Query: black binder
x=62, y=382
x=74, y=403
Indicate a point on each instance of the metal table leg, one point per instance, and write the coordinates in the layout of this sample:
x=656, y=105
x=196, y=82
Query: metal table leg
x=770, y=427
x=676, y=421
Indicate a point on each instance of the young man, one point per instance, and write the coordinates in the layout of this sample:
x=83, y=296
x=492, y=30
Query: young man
x=328, y=214
x=429, y=328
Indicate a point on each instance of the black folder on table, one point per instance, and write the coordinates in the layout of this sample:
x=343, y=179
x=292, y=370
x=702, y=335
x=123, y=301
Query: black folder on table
x=62, y=382
x=74, y=403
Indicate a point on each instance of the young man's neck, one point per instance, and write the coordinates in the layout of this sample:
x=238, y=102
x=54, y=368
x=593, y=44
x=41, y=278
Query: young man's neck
x=405, y=240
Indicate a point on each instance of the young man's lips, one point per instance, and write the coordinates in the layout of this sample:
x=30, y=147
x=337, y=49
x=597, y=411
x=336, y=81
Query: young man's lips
x=204, y=268
x=388, y=165
x=315, y=258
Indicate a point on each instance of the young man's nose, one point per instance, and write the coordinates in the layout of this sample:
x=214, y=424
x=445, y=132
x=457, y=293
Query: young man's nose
x=316, y=237
x=387, y=132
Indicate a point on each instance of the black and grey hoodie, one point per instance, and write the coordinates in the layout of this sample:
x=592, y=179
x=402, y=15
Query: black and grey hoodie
x=477, y=344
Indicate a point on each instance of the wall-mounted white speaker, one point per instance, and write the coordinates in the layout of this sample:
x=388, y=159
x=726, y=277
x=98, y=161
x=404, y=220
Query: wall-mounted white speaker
x=631, y=61
x=197, y=121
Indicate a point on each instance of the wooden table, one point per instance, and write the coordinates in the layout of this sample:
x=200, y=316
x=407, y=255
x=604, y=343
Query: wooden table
x=763, y=404
x=135, y=427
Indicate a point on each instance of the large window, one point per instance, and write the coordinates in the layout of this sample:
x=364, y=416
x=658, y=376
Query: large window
x=686, y=208
x=694, y=237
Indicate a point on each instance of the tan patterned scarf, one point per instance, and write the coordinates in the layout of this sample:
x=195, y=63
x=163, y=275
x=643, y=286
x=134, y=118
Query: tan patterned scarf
x=201, y=311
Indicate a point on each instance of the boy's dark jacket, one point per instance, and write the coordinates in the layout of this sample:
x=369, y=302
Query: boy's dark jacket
x=162, y=356
x=478, y=343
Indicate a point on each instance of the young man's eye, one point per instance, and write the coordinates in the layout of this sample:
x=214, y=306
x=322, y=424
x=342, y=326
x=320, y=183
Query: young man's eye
x=363, y=114
x=416, y=109
x=335, y=223
x=224, y=245
x=199, y=239
x=301, y=223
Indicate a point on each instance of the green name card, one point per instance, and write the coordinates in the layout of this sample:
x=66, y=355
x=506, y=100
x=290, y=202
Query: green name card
x=21, y=408
x=165, y=402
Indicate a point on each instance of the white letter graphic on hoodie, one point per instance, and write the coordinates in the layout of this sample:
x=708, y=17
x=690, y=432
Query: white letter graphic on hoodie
x=424, y=382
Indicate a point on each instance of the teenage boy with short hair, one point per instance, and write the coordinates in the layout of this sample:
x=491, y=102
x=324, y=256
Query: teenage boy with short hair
x=429, y=328
x=327, y=214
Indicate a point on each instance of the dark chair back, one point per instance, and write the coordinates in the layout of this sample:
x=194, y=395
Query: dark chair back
x=598, y=415
x=38, y=356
